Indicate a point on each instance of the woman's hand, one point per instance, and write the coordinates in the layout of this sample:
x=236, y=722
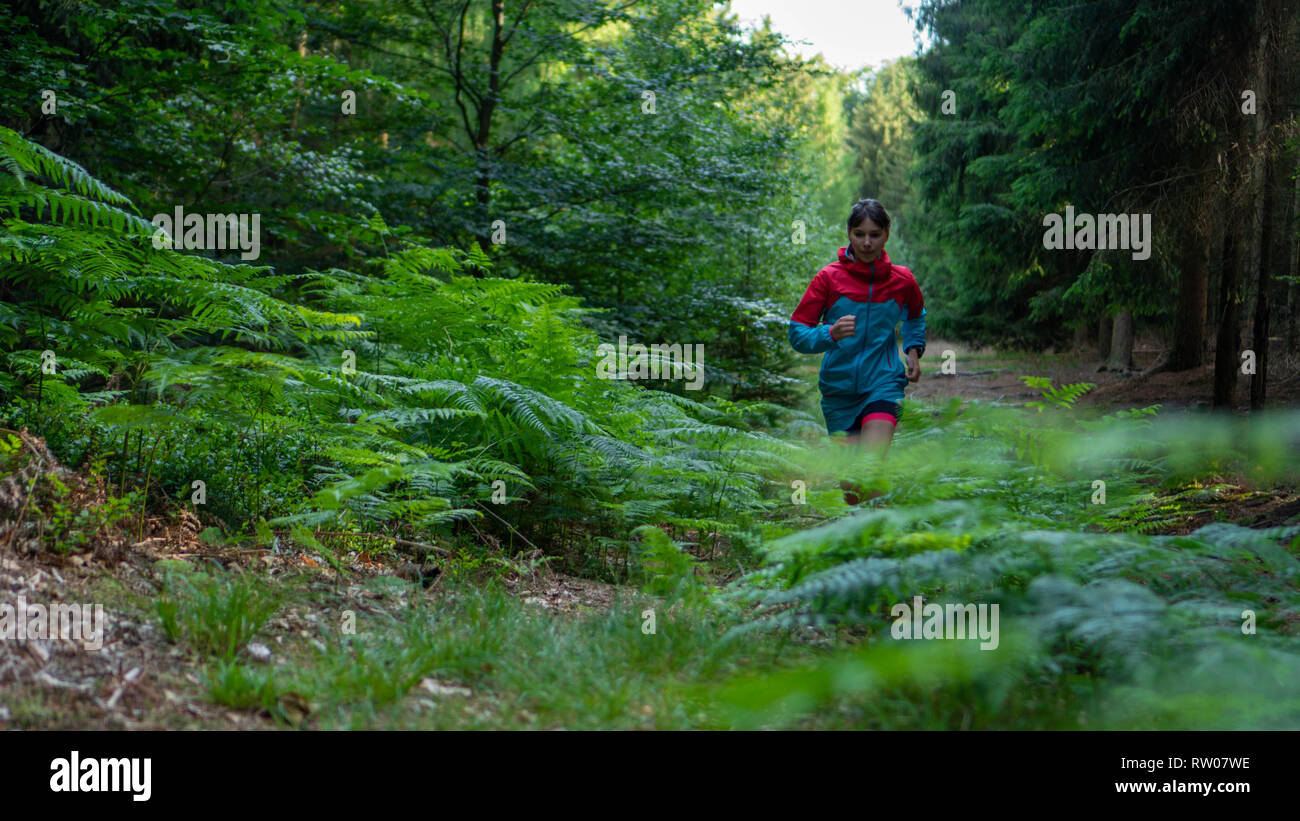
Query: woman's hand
x=913, y=366
x=843, y=327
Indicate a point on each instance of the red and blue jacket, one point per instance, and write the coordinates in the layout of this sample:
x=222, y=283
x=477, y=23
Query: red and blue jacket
x=865, y=367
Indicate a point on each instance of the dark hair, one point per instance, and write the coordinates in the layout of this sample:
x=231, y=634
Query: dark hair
x=863, y=209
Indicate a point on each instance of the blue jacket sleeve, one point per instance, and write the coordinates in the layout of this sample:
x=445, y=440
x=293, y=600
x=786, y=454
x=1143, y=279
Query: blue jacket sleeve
x=807, y=333
x=815, y=339
x=914, y=333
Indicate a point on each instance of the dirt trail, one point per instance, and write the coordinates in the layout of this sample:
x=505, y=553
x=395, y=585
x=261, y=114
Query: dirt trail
x=994, y=376
x=121, y=671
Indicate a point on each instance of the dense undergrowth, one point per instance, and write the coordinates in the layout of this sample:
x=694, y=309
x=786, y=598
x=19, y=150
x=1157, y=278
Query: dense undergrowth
x=413, y=398
x=423, y=403
x=1119, y=595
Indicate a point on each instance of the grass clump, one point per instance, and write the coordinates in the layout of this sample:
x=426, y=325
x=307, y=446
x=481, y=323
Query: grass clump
x=216, y=615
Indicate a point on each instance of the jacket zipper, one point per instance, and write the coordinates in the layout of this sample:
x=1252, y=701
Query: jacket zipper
x=866, y=322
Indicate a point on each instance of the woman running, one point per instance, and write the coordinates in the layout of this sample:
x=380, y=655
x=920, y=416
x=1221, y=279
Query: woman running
x=861, y=299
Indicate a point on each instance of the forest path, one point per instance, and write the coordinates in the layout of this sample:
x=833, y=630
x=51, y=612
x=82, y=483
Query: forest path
x=990, y=375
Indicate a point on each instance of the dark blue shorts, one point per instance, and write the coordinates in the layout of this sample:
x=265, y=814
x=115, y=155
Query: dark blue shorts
x=877, y=410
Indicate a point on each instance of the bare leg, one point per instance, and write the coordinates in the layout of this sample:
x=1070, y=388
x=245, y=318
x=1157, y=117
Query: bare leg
x=875, y=437
x=877, y=434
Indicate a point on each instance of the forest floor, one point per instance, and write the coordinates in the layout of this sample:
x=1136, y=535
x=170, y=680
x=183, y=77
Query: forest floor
x=991, y=375
x=298, y=672
x=534, y=649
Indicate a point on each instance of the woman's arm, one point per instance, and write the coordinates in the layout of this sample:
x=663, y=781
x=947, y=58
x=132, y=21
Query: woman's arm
x=807, y=334
x=914, y=325
x=914, y=332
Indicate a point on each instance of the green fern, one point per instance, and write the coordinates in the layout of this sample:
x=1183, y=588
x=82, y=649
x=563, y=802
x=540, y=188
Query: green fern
x=1062, y=397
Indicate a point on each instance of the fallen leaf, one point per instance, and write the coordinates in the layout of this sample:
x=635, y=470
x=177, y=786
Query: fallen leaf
x=437, y=688
x=259, y=651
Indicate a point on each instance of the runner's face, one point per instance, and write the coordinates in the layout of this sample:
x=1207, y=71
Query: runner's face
x=867, y=239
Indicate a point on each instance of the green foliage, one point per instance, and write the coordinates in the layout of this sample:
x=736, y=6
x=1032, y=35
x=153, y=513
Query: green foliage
x=1062, y=397
x=1097, y=610
x=241, y=687
x=665, y=568
x=538, y=122
x=400, y=397
x=381, y=380
x=479, y=657
x=215, y=615
x=1040, y=119
x=884, y=121
x=70, y=526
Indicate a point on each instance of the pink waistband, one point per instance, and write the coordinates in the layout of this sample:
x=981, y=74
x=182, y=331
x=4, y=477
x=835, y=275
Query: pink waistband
x=888, y=417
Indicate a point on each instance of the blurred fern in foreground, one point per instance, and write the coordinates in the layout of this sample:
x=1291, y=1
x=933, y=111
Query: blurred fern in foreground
x=988, y=505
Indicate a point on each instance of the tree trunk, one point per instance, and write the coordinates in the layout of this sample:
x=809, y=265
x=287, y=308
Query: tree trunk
x=482, y=134
x=1262, y=282
x=1121, y=344
x=1259, y=235
x=1241, y=245
x=1227, y=340
x=1188, y=350
x=1292, y=292
x=1105, y=329
x=298, y=84
x=1213, y=308
x=1287, y=228
x=1275, y=197
x=1080, y=338
x=483, y=194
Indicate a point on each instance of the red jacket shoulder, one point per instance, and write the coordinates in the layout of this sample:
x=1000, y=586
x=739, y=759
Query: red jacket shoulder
x=905, y=273
x=910, y=290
